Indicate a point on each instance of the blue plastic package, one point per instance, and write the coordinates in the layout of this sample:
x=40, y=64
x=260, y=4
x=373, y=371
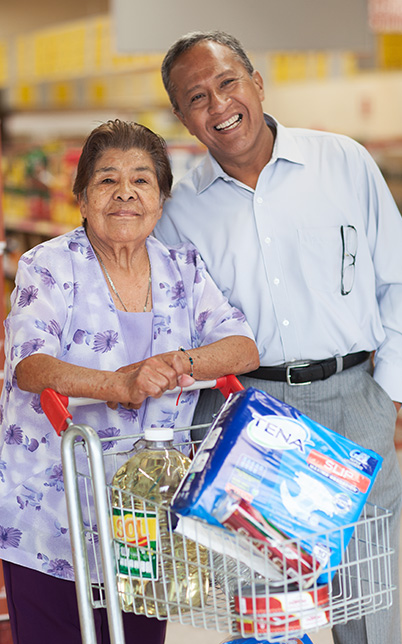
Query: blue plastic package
x=303, y=478
x=252, y=640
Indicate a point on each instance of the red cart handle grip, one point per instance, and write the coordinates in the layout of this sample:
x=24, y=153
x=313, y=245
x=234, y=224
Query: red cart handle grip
x=55, y=407
x=228, y=385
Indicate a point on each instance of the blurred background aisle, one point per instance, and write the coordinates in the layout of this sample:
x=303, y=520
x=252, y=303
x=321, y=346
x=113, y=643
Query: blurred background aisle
x=66, y=66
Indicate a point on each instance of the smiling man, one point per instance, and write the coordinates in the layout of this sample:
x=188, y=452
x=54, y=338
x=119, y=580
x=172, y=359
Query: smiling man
x=301, y=233
x=219, y=101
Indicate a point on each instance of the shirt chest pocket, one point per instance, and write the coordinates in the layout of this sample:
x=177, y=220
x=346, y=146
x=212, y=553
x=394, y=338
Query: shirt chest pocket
x=321, y=257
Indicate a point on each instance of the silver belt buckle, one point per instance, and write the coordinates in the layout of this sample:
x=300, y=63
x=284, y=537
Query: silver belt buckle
x=296, y=365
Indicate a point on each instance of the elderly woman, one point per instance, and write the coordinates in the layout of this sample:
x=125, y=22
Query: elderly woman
x=106, y=312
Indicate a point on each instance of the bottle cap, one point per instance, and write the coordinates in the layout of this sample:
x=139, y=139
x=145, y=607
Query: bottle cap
x=158, y=434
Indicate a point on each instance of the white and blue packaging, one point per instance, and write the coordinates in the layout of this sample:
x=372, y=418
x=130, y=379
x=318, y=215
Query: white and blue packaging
x=302, y=477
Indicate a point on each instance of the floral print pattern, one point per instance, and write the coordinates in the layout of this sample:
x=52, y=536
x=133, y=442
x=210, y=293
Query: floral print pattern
x=55, y=474
x=9, y=537
x=14, y=435
x=61, y=306
x=105, y=341
x=28, y=295
x=57, y=567
x=108, y=434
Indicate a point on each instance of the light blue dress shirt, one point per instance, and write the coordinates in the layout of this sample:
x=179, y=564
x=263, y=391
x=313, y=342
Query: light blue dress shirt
x=277, y=253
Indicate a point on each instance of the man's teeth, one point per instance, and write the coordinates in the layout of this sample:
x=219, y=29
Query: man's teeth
x=230, y=123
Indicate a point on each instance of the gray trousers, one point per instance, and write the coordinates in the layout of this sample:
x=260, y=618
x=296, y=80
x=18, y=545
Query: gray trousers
x=354, y=405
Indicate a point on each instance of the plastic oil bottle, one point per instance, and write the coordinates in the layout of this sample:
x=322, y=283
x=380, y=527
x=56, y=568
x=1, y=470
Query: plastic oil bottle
x=155, y=569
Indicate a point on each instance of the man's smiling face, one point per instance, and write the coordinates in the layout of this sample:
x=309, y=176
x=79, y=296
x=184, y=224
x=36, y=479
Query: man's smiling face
x=218, y=101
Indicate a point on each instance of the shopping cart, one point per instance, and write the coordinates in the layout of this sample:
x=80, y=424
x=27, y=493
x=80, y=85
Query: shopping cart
x=243, y=593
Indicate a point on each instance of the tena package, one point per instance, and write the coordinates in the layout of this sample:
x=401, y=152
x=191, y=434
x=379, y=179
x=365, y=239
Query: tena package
x=252, y=640
x=268, y=460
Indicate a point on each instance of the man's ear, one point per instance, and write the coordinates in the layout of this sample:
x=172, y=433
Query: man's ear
x=259, y=83
x=179, y=115
x=183, y=120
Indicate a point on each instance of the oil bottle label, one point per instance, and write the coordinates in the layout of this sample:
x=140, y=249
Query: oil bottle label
x=136, y=542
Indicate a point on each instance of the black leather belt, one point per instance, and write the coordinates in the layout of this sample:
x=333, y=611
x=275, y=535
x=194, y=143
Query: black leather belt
x=305, y=372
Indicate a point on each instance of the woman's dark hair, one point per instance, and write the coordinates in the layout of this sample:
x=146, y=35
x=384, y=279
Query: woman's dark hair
x=123, y=136
x=187, y=42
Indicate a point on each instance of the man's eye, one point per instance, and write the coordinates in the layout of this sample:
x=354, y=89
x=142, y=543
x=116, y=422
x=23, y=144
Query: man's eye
x=196, y=98
x=227, y=81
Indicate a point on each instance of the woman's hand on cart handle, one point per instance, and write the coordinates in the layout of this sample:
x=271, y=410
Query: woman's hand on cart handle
x=151, y=378
x=55, y=405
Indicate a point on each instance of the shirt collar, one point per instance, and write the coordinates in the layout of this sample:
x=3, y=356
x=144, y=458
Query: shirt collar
x=285, y=147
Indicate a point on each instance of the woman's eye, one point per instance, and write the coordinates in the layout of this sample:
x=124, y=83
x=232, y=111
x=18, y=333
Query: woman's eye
x=140, y=180
x=107, y=180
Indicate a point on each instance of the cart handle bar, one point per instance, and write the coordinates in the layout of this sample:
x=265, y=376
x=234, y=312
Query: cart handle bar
x=55, y=405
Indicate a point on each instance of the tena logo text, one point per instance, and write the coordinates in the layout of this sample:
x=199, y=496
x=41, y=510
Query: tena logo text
x=278, y=432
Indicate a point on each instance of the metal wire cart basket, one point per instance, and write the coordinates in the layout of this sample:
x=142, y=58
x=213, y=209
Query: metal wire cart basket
x=230, y=586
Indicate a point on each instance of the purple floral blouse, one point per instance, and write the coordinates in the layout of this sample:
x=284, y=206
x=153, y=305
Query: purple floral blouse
x=61, y=306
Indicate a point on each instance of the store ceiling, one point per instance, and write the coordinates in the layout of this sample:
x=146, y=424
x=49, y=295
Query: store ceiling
x=25, y=15
x=274, y=25
x=261, y=25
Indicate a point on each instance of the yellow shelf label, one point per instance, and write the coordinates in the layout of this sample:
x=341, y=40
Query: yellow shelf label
x=390, y=50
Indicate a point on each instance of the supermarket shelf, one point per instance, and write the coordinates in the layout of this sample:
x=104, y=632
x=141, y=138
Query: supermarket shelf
x=21, y=235
x=41, y=227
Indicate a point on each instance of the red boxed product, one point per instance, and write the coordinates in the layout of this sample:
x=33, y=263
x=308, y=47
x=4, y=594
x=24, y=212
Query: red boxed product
x=290, y=559
x=277, y=609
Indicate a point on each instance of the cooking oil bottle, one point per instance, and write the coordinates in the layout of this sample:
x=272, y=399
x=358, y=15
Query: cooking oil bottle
x=158, y=571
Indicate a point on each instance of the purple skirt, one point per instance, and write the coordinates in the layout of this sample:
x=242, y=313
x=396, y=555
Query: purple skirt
x=44, y=610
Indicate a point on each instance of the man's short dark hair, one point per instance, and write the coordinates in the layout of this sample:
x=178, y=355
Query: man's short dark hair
x=187, y=42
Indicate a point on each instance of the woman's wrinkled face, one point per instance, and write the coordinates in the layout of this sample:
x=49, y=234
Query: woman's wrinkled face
x=123, y=201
